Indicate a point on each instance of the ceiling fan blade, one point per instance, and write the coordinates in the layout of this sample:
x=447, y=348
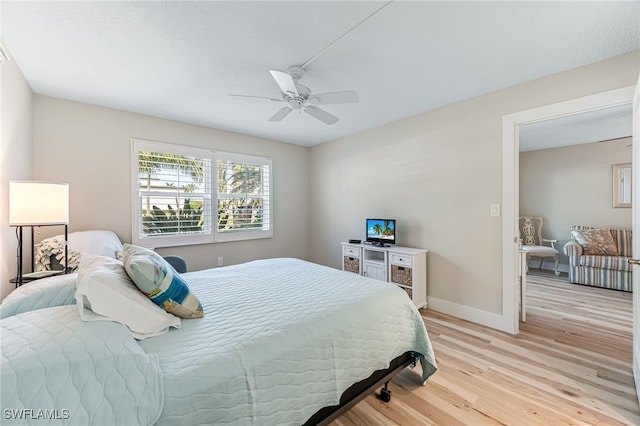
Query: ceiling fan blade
x=255, y=97
x=321, y=114
x=285, y=82
x=346, y=97
x=281, y=114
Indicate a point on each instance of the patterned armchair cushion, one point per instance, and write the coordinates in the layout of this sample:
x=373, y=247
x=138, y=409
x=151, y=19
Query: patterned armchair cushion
x=596, y=241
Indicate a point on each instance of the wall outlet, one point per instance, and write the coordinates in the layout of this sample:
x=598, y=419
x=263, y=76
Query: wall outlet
x=220, y=261
x=495, y=210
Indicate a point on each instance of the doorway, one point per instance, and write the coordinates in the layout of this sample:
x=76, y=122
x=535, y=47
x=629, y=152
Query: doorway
x=566, y=167
x=510, y=183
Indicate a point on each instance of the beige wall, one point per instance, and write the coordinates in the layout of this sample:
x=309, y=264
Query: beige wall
x=89, y=147
x=573, y=185
x=15, y=139
x=437, y=173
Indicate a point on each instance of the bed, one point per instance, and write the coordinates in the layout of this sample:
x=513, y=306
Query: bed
x=282, y=341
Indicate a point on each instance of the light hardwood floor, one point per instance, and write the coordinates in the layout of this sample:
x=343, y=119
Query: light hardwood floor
x=570, y=365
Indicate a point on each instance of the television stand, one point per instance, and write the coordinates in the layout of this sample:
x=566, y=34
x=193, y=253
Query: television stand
x=403, y=266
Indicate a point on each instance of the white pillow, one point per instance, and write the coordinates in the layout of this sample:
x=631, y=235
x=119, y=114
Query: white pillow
x=105, y=292
x=103, y=243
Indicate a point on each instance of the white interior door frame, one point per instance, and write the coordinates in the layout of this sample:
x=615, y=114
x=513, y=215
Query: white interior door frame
x=510, y=184
x=635, y=199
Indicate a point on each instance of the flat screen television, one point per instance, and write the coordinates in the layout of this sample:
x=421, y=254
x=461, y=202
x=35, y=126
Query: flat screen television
x=381, y=232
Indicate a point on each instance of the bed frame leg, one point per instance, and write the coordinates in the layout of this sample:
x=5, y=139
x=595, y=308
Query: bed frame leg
x=385, y=393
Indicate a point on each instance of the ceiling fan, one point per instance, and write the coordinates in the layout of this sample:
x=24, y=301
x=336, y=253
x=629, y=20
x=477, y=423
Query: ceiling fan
x=299, y=97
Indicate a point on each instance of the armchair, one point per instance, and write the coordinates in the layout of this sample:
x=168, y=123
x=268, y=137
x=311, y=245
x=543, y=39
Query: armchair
x=532, y=242
x=599, y=257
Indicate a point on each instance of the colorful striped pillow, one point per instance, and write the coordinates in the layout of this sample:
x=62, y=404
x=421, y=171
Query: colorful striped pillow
x=156, y=278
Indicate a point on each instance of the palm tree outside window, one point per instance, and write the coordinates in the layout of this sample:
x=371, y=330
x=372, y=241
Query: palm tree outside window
x=187, y=195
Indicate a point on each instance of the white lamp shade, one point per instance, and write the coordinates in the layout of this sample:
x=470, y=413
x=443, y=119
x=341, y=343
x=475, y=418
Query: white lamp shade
x=38, y=203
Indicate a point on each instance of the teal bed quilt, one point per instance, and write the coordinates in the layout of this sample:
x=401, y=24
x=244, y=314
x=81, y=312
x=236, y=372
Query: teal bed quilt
x=279, y=340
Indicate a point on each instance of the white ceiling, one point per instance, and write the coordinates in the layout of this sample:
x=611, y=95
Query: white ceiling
x=588, y=127
x=180, y=60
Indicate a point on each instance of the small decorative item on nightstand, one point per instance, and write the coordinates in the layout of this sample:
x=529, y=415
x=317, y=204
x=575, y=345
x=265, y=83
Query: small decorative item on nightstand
x=33, y=204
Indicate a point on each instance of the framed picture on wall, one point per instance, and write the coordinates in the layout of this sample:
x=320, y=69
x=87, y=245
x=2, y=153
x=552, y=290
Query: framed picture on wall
x=622, y=185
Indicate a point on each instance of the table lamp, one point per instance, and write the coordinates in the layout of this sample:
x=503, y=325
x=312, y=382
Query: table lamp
x=33, y=203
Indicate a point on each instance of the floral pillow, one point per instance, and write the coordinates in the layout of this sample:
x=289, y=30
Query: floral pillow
x=157, y=279
x=596, y=241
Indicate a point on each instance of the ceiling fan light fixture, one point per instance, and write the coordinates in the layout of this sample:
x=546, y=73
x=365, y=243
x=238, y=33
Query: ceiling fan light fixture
x=294, y=103
x=298, y=97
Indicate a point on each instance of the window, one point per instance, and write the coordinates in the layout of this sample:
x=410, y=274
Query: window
x=184, y=195
x=243, y=197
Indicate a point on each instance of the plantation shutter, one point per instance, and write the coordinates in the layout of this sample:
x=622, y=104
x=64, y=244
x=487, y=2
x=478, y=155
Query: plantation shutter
x=172, y=194
x=243, y=185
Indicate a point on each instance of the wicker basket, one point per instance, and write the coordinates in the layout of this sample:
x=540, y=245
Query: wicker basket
x=401, y=275
x=409, y=292
x=352, y=264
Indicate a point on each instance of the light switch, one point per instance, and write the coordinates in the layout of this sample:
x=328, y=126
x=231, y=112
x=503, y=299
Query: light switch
x=495, y=209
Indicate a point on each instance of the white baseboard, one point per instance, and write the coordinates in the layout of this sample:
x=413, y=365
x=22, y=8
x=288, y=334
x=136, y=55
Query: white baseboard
x=478, y=316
